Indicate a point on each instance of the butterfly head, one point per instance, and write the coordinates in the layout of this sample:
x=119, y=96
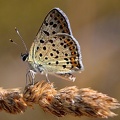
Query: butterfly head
x=24, y=56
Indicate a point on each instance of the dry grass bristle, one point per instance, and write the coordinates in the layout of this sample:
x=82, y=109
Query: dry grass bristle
x=11, y=101
x=70, y=100
x=66, y=101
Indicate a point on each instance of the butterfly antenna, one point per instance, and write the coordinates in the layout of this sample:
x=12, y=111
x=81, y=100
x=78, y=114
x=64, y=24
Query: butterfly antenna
x=21, y=39
x=15, y=43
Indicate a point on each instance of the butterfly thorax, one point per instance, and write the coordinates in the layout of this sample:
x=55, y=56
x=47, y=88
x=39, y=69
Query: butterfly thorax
x=32, y=61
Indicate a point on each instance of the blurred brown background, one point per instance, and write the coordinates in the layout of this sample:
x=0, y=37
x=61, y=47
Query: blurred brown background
x=95, y=24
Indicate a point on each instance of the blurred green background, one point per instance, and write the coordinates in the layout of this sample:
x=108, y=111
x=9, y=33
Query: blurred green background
x=95, y=24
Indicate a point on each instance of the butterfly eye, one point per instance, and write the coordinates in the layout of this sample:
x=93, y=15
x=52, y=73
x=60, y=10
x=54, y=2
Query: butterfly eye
x=24, y=56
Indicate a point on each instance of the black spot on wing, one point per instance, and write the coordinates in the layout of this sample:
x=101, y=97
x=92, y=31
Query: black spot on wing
x=47, y=33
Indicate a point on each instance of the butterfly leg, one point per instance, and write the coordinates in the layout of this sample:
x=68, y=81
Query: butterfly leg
x=47, y=79
x=27, y=77
x=30, y=75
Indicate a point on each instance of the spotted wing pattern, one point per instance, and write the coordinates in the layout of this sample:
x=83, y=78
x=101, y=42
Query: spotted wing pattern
x=55, y=50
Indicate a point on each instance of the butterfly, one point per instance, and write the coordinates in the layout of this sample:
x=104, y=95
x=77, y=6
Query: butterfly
x=54, y=50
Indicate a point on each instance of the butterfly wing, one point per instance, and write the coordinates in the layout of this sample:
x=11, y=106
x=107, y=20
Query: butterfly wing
x=55, y=50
